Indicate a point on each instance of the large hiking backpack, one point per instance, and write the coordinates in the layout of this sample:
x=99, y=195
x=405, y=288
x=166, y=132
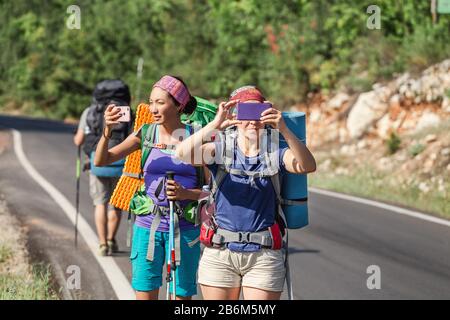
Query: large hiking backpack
x=276, y=237
x=105, y=93
x=202, y=115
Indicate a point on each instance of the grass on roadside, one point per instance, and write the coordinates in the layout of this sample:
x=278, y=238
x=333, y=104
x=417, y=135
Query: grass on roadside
x=375, y=185
x=5, y=253
x=33, y=286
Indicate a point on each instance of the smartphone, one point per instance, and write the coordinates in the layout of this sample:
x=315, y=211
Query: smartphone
x=124, y=113
x=251, y=110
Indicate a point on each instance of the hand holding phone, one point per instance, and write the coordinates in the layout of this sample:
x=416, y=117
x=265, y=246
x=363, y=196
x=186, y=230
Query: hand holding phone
x=124, y=113
x=251, y=111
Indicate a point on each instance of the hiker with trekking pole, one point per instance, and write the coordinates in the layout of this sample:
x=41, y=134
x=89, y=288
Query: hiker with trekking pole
x=102, y=181
x=163, y=230
x=245, y=236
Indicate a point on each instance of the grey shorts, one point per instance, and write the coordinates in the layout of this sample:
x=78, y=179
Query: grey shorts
x=101, y=189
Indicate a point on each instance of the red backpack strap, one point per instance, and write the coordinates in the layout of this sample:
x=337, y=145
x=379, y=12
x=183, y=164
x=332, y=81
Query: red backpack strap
x=277, y=237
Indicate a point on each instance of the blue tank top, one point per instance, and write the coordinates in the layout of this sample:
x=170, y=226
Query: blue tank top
x=242, y=206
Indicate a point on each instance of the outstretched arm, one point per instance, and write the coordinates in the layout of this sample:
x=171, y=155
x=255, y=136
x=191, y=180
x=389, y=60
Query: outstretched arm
x=297, y=159
x=78, y=138
x=192, y=150
x=103, y=156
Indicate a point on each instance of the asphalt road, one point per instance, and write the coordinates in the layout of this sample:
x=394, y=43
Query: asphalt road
x=329, y=258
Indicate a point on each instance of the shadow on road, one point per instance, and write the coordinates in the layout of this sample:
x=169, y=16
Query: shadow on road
x=122, y=254
x=294, y=250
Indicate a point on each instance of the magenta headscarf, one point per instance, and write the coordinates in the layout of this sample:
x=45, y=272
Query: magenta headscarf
x=175, y=88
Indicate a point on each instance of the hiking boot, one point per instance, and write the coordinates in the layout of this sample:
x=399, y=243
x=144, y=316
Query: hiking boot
x=103, y=250
x=112, y=247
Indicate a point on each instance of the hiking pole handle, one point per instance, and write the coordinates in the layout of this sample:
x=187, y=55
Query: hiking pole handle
x=170, y=175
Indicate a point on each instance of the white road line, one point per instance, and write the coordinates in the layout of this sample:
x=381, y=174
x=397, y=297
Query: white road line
x=118, y=280
x=381, y=205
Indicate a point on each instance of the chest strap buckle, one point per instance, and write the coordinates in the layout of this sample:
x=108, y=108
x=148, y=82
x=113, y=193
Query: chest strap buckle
x=244, y=237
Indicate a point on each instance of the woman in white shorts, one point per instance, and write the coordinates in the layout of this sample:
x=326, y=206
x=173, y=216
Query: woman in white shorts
x=246, y=249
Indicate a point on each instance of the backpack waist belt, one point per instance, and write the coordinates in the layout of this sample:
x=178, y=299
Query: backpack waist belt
x=157, y=211
x=223, y=236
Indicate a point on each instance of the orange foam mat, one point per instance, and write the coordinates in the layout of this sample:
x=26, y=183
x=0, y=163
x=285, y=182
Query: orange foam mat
x=127, y=186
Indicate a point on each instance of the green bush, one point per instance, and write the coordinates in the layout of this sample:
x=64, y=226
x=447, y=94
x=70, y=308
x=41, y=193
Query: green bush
x=416, y=149
x=393, y=143
x=5, y=253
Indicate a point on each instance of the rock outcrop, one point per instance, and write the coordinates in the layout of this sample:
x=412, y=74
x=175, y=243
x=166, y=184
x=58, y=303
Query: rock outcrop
x=406, y=104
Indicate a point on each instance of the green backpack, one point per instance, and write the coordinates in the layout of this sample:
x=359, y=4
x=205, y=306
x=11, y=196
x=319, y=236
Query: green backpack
x=202, y=115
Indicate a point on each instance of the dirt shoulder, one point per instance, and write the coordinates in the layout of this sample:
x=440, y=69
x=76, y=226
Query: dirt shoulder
x=409, y=170
x=20, y=278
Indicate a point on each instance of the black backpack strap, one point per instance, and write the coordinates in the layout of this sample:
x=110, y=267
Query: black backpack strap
x=200, y=171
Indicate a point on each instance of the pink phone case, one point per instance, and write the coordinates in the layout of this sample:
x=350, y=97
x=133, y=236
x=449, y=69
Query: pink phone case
x=251, y=111
x=124, y=113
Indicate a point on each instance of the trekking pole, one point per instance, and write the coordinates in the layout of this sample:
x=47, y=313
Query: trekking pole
x=168, y=270
x=171, y=258
x=77, y=201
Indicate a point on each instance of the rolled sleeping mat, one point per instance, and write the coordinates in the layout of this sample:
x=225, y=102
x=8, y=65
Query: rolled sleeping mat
x=130, y=181
x=295, y=186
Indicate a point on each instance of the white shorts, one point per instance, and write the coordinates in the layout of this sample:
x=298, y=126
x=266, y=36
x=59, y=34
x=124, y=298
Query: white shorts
x=264, y=269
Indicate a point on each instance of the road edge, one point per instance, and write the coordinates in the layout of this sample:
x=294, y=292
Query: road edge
x=382, y=205
x=114, y=274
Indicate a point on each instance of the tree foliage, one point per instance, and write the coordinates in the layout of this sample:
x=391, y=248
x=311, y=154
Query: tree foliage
x=288, y=48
